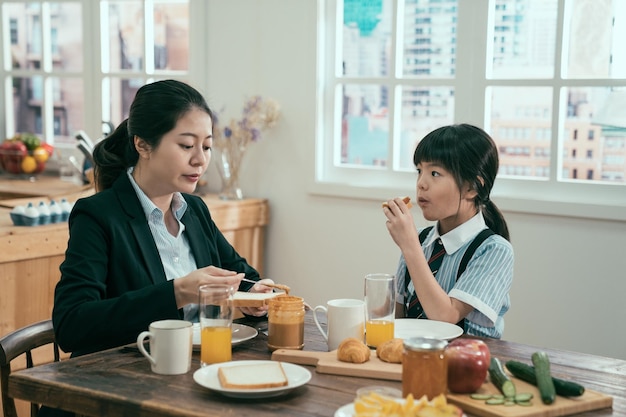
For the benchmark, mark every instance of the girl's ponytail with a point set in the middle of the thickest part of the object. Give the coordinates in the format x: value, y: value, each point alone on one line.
x: 495, y: 220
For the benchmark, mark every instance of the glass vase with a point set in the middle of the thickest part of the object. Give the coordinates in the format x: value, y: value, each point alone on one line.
x: 229, y: 164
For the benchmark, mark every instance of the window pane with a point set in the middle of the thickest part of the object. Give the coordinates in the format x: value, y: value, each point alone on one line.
x: 524, y: 38
x: 423, y: 110
x: 171, y: 36
x: 365, y: 125
x: 25, y: 35
x: 594, y: 138
x: 66, y: 36
x: 125, y: 36
x: 366, y: 37
x: 69, y: 109
x: 521, y: 129
x: 27, y: 102
x: 598, y: 26
x: 117, y: 95
x: 429, y: 38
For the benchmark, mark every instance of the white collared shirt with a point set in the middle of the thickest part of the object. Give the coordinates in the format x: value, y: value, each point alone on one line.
x: 175, y: 252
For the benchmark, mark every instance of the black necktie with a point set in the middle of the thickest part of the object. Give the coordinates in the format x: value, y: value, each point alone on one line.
x: 414, y: 308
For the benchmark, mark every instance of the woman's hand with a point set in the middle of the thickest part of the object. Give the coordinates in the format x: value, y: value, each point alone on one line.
x: 258, y: 287
x: 400, y: 224
x: 186, y: 288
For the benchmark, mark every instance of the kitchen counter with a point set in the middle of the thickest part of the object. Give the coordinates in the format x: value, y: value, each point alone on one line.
x: 30, y: 255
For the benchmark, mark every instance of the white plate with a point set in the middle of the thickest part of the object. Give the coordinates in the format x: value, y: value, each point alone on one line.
x: 241, y: 333
x: 207, y: 377
x: 345, y: 411
x: 407, y: 328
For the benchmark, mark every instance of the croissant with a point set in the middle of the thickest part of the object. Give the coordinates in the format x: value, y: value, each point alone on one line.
x: 391, y: 351
x: 353, y: 350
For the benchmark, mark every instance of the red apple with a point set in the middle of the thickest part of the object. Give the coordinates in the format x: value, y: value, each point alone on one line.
x: 468, y: 363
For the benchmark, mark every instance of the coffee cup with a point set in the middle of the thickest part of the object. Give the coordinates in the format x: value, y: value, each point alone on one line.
x: 170, y: 346
x: 346, y: 318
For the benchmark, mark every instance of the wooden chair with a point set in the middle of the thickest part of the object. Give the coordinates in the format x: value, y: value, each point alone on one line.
x: 16, y: 343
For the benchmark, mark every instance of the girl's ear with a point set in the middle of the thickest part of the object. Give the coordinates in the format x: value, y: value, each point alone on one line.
x: 470, y: 192
x: 142, y: 147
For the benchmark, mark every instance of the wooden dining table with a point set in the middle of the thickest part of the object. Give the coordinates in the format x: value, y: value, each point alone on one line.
x: 119, y: 382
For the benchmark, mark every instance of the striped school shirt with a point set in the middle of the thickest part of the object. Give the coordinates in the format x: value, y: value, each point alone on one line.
x: 485, y: 283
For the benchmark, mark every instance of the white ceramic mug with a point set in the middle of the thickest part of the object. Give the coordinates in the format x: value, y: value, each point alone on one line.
x: 346, y: 318
x: 170, y: 346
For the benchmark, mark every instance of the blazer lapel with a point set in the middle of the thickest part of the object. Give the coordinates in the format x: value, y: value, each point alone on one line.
x: 148, y: 252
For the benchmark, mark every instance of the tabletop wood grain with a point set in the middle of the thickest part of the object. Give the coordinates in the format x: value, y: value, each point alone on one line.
x: 118, y: 382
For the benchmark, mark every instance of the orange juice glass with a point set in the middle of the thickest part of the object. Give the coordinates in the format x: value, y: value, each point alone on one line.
x: 380, y: 308
x: 378, y: 332
x: 216, y: 345
x: 215, y: 306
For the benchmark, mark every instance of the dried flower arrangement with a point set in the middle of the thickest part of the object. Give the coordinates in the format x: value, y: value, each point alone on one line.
x: 232, y: 140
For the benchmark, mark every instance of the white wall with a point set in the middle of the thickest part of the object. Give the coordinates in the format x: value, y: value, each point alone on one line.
x: 569, y: 282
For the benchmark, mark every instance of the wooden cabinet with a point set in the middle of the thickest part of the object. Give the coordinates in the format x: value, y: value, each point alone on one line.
x: 30, y: 256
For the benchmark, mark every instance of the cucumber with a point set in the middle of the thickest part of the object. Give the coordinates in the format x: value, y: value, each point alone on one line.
x: 500, y: 379
x: 483, y: 397
x: 523, y: 397
x: 544, y: 379
x: 495, y: 401
x: 527, y: 373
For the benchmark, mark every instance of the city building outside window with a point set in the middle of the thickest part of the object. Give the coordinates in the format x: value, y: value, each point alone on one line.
x: 536, y: 74
x: 50, y: 57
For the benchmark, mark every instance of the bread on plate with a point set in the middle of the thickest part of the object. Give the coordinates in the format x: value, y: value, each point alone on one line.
x: 252, y: 376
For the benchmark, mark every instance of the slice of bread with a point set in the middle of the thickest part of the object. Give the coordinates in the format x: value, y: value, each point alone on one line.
x: 252, y: 376
x: 407, y: 201
x: 252, y: 299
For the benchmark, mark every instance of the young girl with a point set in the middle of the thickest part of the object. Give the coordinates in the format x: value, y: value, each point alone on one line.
x: 457, y: 166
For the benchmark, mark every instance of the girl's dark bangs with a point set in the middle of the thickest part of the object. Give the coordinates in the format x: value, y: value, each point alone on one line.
x: 433, y: 148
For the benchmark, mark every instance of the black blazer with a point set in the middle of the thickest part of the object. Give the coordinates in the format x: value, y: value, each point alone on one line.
x: 113, y: 283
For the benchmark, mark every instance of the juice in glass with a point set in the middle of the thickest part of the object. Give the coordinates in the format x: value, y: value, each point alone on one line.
x: 215, y: 345
x: 378, y: 332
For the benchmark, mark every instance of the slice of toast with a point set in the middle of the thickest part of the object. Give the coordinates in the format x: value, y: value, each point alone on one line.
x: 252, y: 299
x: 253, y: 376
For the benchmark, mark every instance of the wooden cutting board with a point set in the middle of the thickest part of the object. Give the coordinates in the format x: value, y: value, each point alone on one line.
x: 327, y: 363
x: 563, y: 406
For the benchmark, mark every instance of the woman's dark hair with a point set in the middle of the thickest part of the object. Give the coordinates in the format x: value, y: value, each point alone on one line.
x: 471, y: 155
x: 154, y: 112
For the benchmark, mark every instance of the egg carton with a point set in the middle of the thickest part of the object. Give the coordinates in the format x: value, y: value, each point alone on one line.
x: 42, y: 214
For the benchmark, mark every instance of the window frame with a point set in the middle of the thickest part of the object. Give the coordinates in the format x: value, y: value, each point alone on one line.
x: 92, y: 75
x: 533, y: 196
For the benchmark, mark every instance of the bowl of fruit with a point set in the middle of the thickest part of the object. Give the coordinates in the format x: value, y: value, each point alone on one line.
x: 24, y: 154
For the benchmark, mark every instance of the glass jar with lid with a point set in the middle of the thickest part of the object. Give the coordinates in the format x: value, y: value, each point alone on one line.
x: 424, y: 367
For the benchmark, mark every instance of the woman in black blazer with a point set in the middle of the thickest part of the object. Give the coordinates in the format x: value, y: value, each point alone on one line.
x: 143, y: 244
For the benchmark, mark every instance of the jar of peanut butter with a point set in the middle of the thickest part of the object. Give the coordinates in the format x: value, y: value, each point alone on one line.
x: 424, y: 367
x: 285, y: 318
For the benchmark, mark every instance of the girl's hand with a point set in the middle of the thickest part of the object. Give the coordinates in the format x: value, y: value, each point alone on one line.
x: 186, y: 288
x: 400, y: 224
x: 258, y: 287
